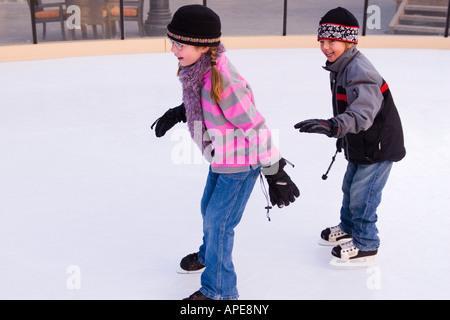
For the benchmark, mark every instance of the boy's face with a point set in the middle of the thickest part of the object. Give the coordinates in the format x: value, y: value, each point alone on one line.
x: 186, y: 54
x: 333, y: 49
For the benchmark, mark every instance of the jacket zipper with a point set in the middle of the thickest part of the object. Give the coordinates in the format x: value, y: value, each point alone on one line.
x: 336, y: 112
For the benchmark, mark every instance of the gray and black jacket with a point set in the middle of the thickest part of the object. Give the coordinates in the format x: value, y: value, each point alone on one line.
x: 369, y: 124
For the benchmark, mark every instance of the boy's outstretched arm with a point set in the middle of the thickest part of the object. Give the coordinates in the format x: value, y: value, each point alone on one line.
x: 328, y: 127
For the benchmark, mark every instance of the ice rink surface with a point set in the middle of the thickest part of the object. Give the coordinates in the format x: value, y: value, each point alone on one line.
x: 94, y: 206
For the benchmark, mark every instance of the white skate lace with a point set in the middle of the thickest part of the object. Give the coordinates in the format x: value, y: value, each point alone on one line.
x: 348, y: 245
x: 348, y: 250
x: 335, y: 232
x: 335, y: 229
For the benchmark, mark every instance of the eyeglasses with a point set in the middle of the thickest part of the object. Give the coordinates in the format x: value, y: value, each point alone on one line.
x: 177, y: 44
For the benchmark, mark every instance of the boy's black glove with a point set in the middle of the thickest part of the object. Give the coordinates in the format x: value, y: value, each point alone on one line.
x: 329, y: 127
x: 169, y: 119
x: 282, y: 190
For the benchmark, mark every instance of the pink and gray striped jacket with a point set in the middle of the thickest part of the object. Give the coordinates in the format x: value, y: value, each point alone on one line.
x: 236, y: 129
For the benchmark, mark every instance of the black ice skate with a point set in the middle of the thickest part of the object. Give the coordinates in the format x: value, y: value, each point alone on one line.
x: 348, y: 255
x: 333, y: 236
x: 197, y: 295
x: 191, y: 264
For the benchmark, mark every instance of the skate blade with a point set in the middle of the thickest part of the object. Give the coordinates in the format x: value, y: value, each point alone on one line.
x: 182, y: 271
x: 354, y: 263
x: 326, y: 243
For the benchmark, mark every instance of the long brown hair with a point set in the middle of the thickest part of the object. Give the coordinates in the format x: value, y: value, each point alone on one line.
x: 216, y: 77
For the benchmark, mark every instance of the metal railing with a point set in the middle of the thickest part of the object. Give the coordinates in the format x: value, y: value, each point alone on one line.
x: 364, y: 28
x: 447, y: 23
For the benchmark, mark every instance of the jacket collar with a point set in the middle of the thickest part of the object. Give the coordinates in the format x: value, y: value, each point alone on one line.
x: 343, y: 60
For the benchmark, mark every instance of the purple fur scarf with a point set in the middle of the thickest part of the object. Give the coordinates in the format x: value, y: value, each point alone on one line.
x: 191, y: 78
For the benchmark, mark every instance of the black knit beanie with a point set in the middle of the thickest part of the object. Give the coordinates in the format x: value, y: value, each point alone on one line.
x: 195, y: 25
x: 339, y: 24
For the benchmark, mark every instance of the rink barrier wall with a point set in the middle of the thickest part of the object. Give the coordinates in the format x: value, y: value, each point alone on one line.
x: 54, y: 50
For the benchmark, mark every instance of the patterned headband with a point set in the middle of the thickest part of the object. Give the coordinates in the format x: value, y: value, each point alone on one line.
x: 338, y: 32
x: 193, y: 41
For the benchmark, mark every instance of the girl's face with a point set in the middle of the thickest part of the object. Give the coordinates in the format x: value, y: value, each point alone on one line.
x: 333, y: 49
x: 186, y: 54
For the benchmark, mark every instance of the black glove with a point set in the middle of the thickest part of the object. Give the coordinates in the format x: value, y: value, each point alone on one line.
x: 282, y: 190
x: 169, y: 119
x: 329, y: 127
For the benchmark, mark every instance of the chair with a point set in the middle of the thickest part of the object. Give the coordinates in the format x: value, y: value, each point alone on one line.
x: 133, y: 10
x: 48, y: 12
x: 93, y: 13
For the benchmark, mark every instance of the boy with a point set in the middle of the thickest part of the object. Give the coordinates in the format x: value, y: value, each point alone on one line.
x: 368, y: 128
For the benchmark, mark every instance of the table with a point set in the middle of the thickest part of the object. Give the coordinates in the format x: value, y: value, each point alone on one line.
x: 93, y: 13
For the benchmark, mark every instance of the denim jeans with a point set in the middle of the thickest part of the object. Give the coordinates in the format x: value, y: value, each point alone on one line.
x: 362, y: 187
x: 222, y: 206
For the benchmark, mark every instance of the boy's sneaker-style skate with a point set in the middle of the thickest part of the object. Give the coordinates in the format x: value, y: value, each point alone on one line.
x: 191, y: 264
x: 348, y: 255
x: 333, y: 236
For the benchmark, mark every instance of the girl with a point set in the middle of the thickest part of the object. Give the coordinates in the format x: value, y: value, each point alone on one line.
x: 218, y: 106
x: 368, y: 127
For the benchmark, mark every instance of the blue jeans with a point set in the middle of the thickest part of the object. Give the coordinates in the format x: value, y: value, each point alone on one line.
x: 362, y: 187
x: 222, y: 206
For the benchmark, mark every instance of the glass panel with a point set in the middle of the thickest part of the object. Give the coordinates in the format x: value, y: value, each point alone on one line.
x: 423, y: 17
x: 152, y: 21
x: 250, y: 17
x: 304, y: 16
x: 98, y: 19
x: 87, y: 19
x: 15, y: 22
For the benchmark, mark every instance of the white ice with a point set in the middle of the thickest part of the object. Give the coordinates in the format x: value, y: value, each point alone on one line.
x: 94, y: 206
